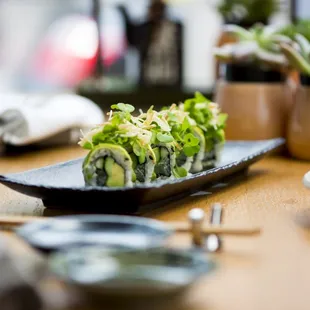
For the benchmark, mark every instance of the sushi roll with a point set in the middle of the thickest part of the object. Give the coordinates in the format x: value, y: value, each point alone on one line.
x: 184, y: 162
x: 172, y: 143
x: 212, y: 154
x: 108, y: 165
x: 165, y: 160
x: 211, y: 122
x: 144, y: 166
x: 197, y: 165
x: 185, y: 138
x: 164, y: 144
x: 118, y: 138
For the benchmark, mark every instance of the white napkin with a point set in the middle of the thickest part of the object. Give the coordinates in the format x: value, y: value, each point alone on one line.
x: 29, y: 119
x: 306, y: 180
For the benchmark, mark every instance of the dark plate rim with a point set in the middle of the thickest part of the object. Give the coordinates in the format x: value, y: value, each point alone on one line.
x: 273, y: 144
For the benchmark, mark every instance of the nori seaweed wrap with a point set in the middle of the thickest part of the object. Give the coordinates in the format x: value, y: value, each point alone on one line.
x: 165, y: 160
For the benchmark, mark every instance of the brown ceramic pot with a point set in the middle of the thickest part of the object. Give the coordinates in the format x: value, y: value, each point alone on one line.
x: 257, y: 108
x: 298, y: 129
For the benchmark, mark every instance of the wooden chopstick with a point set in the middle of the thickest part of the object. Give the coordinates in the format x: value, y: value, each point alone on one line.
x: 10, y: 222
x: 181, y: 227
x: 15, y: 221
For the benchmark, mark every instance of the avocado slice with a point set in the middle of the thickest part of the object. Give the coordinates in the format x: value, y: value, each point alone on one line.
x: 134, y: 177
x: 134, y: 165
x: 134, y: 160
x: 142, y: 159
x: 164, y: 152
x: 116, y: 173
x: 109, y: 165
x: 157, y: 154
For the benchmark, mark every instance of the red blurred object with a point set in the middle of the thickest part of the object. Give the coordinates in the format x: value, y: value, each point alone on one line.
x: 68, y: 53
x: 62, y: 68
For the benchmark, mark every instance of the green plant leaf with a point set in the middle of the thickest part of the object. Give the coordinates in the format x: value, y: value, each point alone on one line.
x: 108, y: 128
x: 300, y: 27
x: 137, y: 149
x: 190, y: 140
x: 222, y: 118
x: 116, y: 120
x: 186, y: 124
x: 237, y: 31
x: 296, y: 59
x: 304, y: 45
x: 275, y: 60
x: 142, y: 156
x: 164, y: 138
x: 220, y: 135
x: 87, y: 145
x: 200, y: 97
x: 190, y: 151
x: 123, y: 107
x: 179, y: 172
x: 172, y: 117
x: 249, y: 11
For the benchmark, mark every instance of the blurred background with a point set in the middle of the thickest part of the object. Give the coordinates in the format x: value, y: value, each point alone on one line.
x: 52, y: 45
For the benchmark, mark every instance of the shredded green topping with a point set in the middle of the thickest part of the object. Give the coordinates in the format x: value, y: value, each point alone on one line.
x: 208, y: 117
x: 121, y: 131
x: 182, y: 130
x: 173, y: 125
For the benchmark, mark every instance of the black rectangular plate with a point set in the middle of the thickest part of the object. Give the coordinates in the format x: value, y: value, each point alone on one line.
x: 62, y: 185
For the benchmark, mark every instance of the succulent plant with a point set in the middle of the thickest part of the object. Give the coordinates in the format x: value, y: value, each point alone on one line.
x: 247, y: 11
x: 301, y: 26
x: 260, y: 44
x: 298, y: 54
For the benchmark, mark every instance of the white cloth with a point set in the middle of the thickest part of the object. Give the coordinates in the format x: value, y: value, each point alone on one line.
x: 28, y: 119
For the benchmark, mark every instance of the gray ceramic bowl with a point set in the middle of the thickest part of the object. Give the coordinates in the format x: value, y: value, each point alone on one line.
x: 118, y: 231
x: 130, y: 273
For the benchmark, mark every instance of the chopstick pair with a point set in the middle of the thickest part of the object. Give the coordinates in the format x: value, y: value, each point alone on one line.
x: 12, y: 222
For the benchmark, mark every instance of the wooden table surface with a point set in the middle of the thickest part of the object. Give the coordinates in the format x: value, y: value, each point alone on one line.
x: 270, y: 271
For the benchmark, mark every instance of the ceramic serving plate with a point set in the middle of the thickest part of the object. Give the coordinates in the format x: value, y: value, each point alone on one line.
x: 62, y: 185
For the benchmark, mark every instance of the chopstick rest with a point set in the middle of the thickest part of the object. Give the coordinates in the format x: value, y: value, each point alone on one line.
x: 208, y: 236
x: 214, y: 242
x: 196, y: 217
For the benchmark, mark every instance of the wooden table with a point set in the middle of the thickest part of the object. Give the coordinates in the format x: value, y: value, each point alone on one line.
x: 271, y: 271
